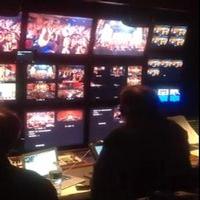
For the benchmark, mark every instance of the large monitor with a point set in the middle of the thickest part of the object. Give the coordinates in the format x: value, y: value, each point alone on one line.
x: 164, y: 70
x: 115, y: 38
x: 58, y: 34
x: 7, y: 82
x: 107, y: 81
x: 50, y: 82
x: 102, y: 121
x: 60, y: 128
x: 10, y: 31
x: 170, y: 36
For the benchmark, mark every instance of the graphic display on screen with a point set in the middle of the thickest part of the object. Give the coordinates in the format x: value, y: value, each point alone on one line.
x: 53, y: 129
x: 58, y: 34
x: 103, y: 121
x: 107, y: 81
x: 71, y: 82
x: 10, y: 31
x: 172, y: 95
x: 160, y: 70
x: 7, y: 82
x: 164, y: 35
x: 45, y: 82
x: 115, y: 38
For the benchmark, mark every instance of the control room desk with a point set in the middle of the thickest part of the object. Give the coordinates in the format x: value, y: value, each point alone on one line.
x: 72, y: 193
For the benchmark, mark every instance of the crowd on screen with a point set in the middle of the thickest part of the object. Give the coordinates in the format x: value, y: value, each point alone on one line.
x: 9, y: 34
x: 57, y: 35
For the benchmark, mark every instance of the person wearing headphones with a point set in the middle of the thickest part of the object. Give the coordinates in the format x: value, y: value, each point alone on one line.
x: 16, y: 183
x: 147, y: 154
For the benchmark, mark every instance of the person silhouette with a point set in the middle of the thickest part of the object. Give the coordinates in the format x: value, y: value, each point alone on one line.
x: 146, y: 154
x: 16, y: 183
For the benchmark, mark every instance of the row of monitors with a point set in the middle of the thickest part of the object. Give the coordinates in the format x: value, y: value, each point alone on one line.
x: 65, y: 128
x: 66, y: 82
x: 54, y: 34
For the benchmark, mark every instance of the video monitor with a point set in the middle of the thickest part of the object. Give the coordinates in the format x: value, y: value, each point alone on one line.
x: 71, y: 82
x: 102, y: 121
x: 10, y: 31
x: 107, y: 81
x: 166, y: 95
x: 165, y: 35
x: 41, y: 72
x: 164, y: 70
x: 58, y: 34
x: 7, y: 82
x: 60, y: 128
x: 115, y: 38
x: 40, y: 91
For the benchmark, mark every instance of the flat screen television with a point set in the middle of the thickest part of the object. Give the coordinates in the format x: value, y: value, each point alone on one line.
x: 115, y: 38
x: 167, y: 35
x: 50, y: 82
x: 10, y: 31
x: 57, y: 34
x: 164, y: 70
x: 102, y: 121
x: 53, y: 128
x: 107, y: 81
x: 7, y: 82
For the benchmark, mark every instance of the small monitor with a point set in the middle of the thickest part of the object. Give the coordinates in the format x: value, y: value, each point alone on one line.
x: 164, y: 70
x: 41, y: 162
x: 25, y: 56
x: 115, y: 38
x: 10, y: 31
x: 169, y: 95
x: 60, y: 128
x: 55, y: 34
x: 102, y: 121
x: 7, y: 82
x: 107, y: 81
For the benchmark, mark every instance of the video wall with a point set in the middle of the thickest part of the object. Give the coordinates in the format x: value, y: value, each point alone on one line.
x: 67, y: 81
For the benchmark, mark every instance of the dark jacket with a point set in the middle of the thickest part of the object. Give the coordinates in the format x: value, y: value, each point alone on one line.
x: 21, y: 184
x: 137, y: 161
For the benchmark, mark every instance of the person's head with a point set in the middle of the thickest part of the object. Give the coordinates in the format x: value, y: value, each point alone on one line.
x: 10, y: 127
x: 138, y: 102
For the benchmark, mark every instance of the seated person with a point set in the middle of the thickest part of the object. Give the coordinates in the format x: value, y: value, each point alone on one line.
x: 147, y: 154
x: 16, y: 183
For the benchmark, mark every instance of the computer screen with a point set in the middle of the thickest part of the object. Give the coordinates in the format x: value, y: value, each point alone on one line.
x: 60, y: 128
x: 58, y: 34
x: 169, y: 95
x: 107, y: 81
x: 10, y: 31
x: 41, y: 162
x: 115, y: 38
x: 47, y: 82
x: 164, y: 70
x: 102, y: 121
x: 7, y: 82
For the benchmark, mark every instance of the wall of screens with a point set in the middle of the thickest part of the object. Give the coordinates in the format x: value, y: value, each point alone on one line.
x: 65, y: 84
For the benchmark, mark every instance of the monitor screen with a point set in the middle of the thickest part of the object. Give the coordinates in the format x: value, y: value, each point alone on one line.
x: 165, y: 35
x: 169, y: 95
x: 10, y: 30
x: 102, y: 121
x: 59, y: 128
x: 164, y: 70
x: 58, y: 34
x: 45, y: 82
x: 115, y: 38
x: 107, y: 81
x: 41, y: 162
x: 7, y: 82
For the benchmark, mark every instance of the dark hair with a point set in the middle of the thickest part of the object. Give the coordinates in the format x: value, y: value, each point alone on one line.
x: 138, y: 101
x: 10, y: 127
